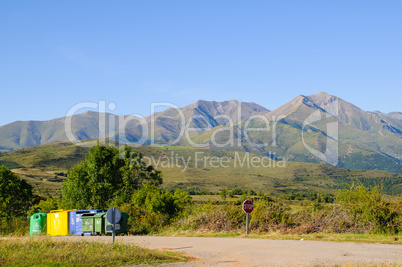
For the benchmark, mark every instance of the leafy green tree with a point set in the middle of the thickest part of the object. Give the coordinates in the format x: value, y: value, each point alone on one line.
x: 45, y: 206
x: 105, y: 175
x: 15, y: 194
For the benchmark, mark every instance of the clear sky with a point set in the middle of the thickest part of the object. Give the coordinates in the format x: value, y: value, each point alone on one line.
x: 55, y: 54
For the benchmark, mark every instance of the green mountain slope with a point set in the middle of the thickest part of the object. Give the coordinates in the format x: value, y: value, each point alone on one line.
x: 365, y: 140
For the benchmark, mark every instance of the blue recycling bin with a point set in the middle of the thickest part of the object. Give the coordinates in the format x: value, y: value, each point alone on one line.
x: 76, y: 222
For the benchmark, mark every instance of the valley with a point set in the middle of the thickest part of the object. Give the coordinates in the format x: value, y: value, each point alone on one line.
x: 46, y: 167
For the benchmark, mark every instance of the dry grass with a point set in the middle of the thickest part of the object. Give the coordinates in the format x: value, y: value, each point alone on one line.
x: 42, y: 251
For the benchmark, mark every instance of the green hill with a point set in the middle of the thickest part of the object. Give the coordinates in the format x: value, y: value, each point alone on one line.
x: 46, y: 167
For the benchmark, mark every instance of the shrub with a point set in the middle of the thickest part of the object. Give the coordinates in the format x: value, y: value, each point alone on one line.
x: 17, y: 225
x: 371, y: 209
x: 151, y: 208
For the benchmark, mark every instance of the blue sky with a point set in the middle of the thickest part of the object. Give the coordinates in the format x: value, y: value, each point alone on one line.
x: 55, y: 54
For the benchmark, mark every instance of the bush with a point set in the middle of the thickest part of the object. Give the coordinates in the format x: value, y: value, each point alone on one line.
x: 18, y: 225
x: 359, y: 210
x: 371, y: 209
x: 151, y: 208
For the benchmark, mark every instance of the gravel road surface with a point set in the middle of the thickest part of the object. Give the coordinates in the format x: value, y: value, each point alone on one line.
x: 263, y: 252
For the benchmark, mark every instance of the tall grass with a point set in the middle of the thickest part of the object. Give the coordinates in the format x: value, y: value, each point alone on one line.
x: 18, y: 226
x: 44, y: 251
x: 358, y: 210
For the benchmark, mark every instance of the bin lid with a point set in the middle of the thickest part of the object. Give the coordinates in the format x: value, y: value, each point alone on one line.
x: 57, y: 211
x: 97, y: 211
x: 80, y: 211
x: 88, y: 215
x: 99, y: 214
x: 38, y: 215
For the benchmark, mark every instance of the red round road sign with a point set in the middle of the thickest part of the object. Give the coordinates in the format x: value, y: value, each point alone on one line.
x: 248, y: 206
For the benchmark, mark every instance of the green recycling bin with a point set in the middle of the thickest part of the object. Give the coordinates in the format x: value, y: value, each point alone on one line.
x: 38, y: 224
x: 121, y: 225
x: 88, y: 223
x: 99, y: 223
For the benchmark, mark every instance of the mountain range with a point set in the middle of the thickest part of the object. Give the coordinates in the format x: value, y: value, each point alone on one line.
x: 320, y: 123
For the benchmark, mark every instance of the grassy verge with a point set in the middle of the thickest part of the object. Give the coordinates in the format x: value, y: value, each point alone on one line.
x: 359, y: 238
x: 43, y: 251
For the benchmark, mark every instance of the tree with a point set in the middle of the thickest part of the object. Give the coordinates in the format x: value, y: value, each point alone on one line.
x: 15, y: 194
x: 105, y: 175
x: 44, y: 206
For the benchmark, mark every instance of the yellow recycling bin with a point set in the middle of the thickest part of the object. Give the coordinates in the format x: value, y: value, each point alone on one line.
x: 58, y: 222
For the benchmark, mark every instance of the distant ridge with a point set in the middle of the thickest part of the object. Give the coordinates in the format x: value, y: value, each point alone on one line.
x: 367, y: 140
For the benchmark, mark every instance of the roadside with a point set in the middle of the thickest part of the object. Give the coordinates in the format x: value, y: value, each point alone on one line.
x: 341, y: 237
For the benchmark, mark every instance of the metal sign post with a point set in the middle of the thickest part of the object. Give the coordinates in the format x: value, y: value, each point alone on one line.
x: 247, y: 224
x: 113, y: 216
x: 114, y: 223
x: 248, y: 207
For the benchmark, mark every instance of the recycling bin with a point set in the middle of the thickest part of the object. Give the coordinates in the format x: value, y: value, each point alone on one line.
x: 99, y: 220
x: 58, y: 222
x: 122, y: 225
x: 38, y: 224
x: 88, y: 223
x: 76, y: 222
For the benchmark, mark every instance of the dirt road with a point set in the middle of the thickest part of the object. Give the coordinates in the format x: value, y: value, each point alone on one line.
x: 264, y: 252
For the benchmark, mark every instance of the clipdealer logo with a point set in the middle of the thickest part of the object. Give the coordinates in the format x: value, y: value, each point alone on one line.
x: 114, y: 127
